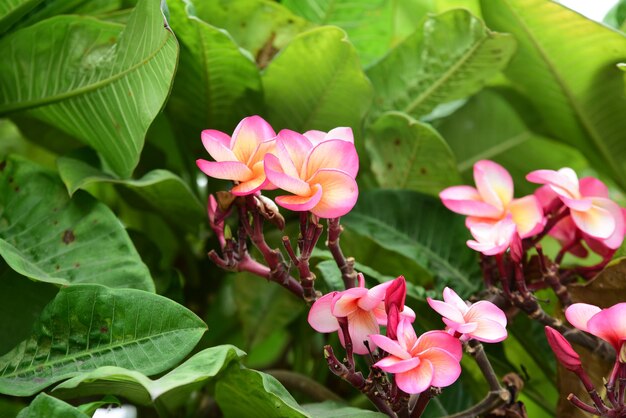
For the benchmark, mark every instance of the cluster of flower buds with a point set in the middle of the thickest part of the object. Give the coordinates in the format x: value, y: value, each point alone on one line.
x: 318, y: 169
x: 610, y: 326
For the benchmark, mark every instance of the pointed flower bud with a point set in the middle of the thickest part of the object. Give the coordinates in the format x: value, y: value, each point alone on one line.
x: 563, y: 350
x: 517, y: 249
x: 394, y: 304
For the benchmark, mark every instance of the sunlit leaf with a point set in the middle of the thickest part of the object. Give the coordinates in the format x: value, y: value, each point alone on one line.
x: 47, y: 406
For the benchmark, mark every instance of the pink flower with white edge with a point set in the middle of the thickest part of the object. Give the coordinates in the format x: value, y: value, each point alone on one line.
x: 363, y: 308
x: 482, y: 321
x: 590, y: 208
x: 608, y: 324
x: 433, y: 359
x: 321, y: 177
x: 239, y: 158
x: 492, y: 239
x: 492, y: 200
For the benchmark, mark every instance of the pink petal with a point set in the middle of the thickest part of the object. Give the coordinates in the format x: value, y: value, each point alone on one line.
x: 610, y: 325
x: 527, y: 215
x: 320, y: 317
x: 256, y: 183
x: 577, y: 204
x: 277, y: 176
x: 392, y: 364
x: 563, y: 182
x: 579, y: 314
x: 226, y: 170
x: 334, y: 153
x: 361, y: 325
x: 390, y: 346
x: 494, y: 183
x: 599, y: 221
x: 617, y: 237
x: 460, y: 328
x: 267, y: 147
x: 439, y: 339
x: 465, y: 200
x: 342, y: 132
x: 546, y: 197
x: 217, y: 145
x: 406, y: 334
x: 590, y: 186
x: 486, y: 310
x: 488, y: 331
x: 492, y: 239
x: 346, y: 302
x: 417, y: 380
x: 315, y: 137
x: 408, y: 314
x: 446, y: 310
x: 339, y: 193
x: 300, y: 203
x: 451, y: 298
x: 446, y: 368
x: 374, y: 296
x: 250, y: 132
x: 380, y: 314
x: 292, y: 149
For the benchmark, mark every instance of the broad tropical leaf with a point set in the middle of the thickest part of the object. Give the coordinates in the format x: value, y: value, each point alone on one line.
x: 13, y: 10
x: 573, y: 82
x: 49, y: 237
x: 89, y: 326
x: 316, y: 83
x: 47, y: 406
x: 331, y: 409
x: 100, y: 82
x: 449, y: 57
x: 408, y: 154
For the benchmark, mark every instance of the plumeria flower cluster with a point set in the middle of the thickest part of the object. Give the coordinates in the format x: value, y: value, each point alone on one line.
x: 316, y: 169
x: 610, y: 326
x: 417, y: 363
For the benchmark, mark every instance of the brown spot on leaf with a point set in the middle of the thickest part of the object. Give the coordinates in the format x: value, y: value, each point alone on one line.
x: 77, y: 265
x: 104, y: 329
x: 397, y: 142
x: 423, y: 170
x: 58, y: 267
x: 10, y: 179
x: 68, y: 236
x: 17, y: 189
x: 267, y: 52
x: 3, y: 165
x: 389, y: 166
x: 55, y: 222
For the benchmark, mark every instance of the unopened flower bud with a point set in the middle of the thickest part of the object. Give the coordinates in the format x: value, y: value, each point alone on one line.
x: 517, y: 249
x: 563, y: 350
x: 396, y: 293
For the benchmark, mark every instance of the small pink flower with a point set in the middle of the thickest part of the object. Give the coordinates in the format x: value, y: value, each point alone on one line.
x: 590, y: 208
x: 492, y: 238
x: 563, y: 350
x: 608, y: 324
x: 239, y: 158
x: 363, y: 308
x: 433, y: 359
x: 492, y: 200
x: 320, y: 176
x: 482, y: 320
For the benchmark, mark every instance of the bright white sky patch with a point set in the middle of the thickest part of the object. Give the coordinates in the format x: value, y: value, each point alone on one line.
x: 593, y: 9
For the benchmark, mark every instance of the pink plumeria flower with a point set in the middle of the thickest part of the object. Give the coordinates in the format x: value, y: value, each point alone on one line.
x: 608, y: 324
x: 343, y: 133
x: 590, y: 208
x: 492, y: 238
x: 433, y: 359
x: 321, y: 177
x: 482, y: 321
x: 363, y: 308
x: 239, y: 158
x: 492, y: 200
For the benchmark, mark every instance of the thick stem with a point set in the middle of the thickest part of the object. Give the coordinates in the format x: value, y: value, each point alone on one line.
x: 550, y: 273
x: 591, y: 390
x: 422, y: 401
x: 346, y: 265
x: 582, y: 405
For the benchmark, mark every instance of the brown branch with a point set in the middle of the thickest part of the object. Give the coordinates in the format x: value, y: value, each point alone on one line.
x: 346, y: 265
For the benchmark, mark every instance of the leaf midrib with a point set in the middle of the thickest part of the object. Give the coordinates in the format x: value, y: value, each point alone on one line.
x: 23, y: 105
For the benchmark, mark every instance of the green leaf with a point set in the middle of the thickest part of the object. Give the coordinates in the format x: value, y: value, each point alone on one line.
x: 616, y: 17
x: 90, y: 326
x: 100, y: 82
x: 242, y: 392
x: 217, y: 83
x: 159, y: 190
x: 573, y: 83
x: 47, y: 406
x: 490, y: 127
x: 411, y: 224
x: 450, y: 57
x: 408, y: 154
x: 49, y: 237
x: 316, y: 83
x: 12, y: 10
x: 331, y: 409
x: 91, y: 407
x: 171, y: 391
x: 261, y: 26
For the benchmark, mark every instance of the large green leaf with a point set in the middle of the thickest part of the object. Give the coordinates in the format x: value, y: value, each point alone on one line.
x: 316, y: 83
x: 566, y: 66
x: 450, y: 57
x: 158, y: 190
x: 373, y: 26
x: 171, y: 390
x: 12, y: 10
x: 47, y: 406
x: 413, y: 225
x: 490, y: 127
x: 242, y: 392
x: 100, y: 82
x: 408, y: 154
x: 217, y: 83
x: 331, y: 409
x: 49, y: 237
x: 90, y: 326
